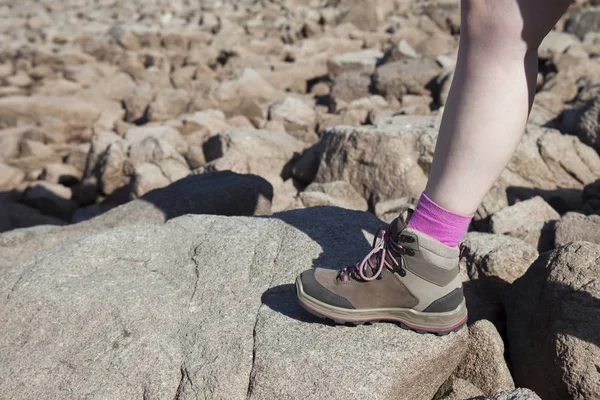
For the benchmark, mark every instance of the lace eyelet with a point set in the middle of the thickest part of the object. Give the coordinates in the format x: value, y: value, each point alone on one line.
x: 406, y: 239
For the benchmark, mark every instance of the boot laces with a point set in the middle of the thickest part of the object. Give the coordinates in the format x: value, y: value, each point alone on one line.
x: 385, y: 247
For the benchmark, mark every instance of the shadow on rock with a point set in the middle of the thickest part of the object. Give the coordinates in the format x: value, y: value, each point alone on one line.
x: 282, y: 299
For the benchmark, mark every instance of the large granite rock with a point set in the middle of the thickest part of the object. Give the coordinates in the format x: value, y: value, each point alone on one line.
x: 203, y: 306
x: 553, y: 322
x: 221, y: 193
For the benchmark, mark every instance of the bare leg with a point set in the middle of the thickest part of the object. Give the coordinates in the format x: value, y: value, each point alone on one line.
x: 490, y: 98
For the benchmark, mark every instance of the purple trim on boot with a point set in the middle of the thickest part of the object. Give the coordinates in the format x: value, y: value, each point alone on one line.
x: 443, y: 225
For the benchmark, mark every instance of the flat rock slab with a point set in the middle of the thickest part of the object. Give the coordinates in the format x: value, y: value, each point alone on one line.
x: 203, y: 307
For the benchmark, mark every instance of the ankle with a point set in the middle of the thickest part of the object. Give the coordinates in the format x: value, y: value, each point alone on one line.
x: 443, y: 225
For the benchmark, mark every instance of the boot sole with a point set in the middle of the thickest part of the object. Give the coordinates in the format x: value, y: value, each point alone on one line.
x: 421, y: 322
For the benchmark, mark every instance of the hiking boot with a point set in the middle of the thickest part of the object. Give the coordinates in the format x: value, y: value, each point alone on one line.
x: 408, y: 277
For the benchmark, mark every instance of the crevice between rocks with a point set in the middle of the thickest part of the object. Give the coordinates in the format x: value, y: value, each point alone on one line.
x: 251, y: 375
x: 185, y: 378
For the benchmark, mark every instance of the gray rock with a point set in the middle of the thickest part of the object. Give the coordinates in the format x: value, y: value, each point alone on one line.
x: 515, y: 394
x: 587, y: 127
x: 492, y: 263
x: 583, y: 22
x: 574, y: 227
x: 484, y: 364
x: 368, y: 157
x: 220, y: 193
x: 350, y: 86
x: 227, y: 328
x: 340, y: 194
x: 410, y: 76
x: 553, y: 321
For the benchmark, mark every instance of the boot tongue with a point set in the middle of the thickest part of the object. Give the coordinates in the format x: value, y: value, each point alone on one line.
x: 397, y: 226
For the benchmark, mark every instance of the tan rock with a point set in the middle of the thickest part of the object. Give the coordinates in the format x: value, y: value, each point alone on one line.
x: 362, y: 62
x: 65, y: 174
x: 167, y: 104
x: 299, y: 120
x: 10, y: 177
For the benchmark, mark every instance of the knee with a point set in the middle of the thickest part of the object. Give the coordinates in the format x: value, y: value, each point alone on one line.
x: 517, y: 24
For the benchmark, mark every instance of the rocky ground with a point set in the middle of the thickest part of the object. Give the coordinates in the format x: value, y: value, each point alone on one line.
x: 119, y: 118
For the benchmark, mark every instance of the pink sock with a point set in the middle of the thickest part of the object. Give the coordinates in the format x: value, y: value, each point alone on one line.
x: 439, y: 223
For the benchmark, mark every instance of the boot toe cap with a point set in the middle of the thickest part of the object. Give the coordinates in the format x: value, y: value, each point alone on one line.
x: 313, y: 288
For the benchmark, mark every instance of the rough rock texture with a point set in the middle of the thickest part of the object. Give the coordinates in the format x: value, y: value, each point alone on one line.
x: 457, y: 389
x: 553, y: 321
x: 522, y: 214
x: 530, y: 220
x: 491, y: 263
x: 516, y: 394
x: 246, y: 150
x: 299, y: 120
x: 200, y: 339
x: 339, y: 194
x: 381, y: 163
x: 484, y: 365
x: 574, y: 227
x: 587, y: 127
x: 220, y: 193
x: 546, y: 163
x: 410, y: 76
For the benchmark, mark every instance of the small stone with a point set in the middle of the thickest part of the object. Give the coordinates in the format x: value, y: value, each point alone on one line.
x: 30, y: 148
x: 65, y: 174
x: 167, y: 104
x: 363, y: 62
x: 298, y: 119
x: 10, y: 177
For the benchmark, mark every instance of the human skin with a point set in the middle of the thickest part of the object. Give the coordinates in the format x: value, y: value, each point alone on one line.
x: 490, y: 97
